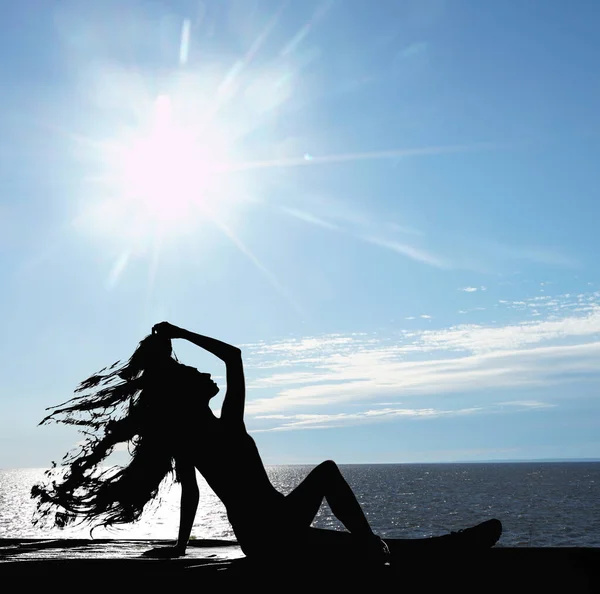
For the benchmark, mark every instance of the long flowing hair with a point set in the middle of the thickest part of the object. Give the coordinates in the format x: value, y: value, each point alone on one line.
x: 119, y: 404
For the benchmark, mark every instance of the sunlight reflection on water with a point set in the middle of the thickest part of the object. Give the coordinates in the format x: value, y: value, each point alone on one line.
x: 538, y: 504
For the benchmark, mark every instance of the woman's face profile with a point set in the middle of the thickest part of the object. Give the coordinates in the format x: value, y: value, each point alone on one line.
x: 200, y: 382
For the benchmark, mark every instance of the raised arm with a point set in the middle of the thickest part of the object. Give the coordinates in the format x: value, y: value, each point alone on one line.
x: 233, y: 404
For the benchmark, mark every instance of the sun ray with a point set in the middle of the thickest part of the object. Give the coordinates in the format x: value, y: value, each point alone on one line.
x: 310, y: 218
x: 363, y: 156
x: 262, y: 268
x: 118, y: 268
x: 184, y: 45
x: 166, y: 160
x: 227, y: 89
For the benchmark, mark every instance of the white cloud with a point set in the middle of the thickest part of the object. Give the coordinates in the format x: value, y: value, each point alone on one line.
x: 469, y: 289
x: 338, y: 371
x: 326, y: 421
x: 356, y: 382
x: 527, y: 404
x: 479, y: 338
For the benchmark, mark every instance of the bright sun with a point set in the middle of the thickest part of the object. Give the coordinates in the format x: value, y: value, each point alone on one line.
x: 170, y: 173
x: 165, y: 177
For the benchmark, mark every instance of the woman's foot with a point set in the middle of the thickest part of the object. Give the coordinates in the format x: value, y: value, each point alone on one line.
x: 378, y: 552
x: 481, y: 536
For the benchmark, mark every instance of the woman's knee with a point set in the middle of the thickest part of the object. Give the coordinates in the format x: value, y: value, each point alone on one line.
x: 328, y: 468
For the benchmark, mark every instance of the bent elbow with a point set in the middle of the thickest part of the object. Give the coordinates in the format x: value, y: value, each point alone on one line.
x: 235, y: 354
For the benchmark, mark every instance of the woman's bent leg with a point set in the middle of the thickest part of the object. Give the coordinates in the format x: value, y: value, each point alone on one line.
x: 326, y: 481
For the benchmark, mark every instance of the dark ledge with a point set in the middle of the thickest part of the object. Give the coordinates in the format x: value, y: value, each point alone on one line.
x: 115, y: 563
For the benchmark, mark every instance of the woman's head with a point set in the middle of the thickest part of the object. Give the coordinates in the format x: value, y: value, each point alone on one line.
x: 197, y: 382
x: 153, y: 352
x: 154, y: 360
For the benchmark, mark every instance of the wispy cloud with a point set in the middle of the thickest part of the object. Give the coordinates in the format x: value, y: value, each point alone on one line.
x: 342, y: 371
x: 357, y: 381
x: 326, y: 421
x: 526, y: 404
x: 479, y: 339
x: 535, y: 254
x: 472, y: 289
x: 555, y: 306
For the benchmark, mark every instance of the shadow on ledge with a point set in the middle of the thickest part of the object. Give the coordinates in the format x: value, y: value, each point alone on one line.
x: 222, y: 564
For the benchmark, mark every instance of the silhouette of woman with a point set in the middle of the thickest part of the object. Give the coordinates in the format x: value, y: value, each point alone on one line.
x: 161, y: 407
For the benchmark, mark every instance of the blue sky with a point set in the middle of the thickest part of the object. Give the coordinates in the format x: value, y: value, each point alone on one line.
x: 392, y: 207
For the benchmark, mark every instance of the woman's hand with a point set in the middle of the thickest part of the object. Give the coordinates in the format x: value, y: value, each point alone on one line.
x: 167, y: 330
x: 165, y: 552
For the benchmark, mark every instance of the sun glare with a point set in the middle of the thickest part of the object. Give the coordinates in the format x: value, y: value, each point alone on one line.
x: 164, y: 178
x: 172, y: 173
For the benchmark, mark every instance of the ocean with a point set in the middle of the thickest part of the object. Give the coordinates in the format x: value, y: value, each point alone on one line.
x: 545, y: 504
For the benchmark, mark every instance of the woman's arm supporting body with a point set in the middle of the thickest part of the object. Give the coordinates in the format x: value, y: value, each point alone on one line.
x: 190, y: 496
x: 233, y: 404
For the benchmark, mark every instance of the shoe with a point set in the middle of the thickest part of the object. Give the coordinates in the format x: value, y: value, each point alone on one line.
x: 481, y: 536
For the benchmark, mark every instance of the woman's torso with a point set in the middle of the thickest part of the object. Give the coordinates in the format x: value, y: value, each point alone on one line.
x: 229, y: 461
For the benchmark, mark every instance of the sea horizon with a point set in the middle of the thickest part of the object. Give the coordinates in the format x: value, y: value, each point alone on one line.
x: 540, y: 503
x: 501, y: 461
